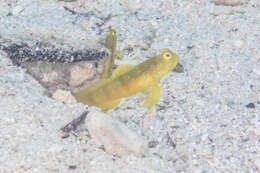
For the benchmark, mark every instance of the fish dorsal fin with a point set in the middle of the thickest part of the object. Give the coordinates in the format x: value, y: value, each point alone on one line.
x: 121, y: 69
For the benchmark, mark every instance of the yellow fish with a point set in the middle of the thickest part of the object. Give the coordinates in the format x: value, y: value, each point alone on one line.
x: 127, y: 80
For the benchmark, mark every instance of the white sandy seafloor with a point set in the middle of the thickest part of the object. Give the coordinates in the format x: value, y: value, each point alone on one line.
x: 203, y: 123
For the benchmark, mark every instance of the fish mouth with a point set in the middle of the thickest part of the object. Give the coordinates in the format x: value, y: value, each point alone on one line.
x: 178, y: 69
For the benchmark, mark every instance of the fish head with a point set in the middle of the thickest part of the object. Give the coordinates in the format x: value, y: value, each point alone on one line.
x: 170, y: 59
x: 166, y: 62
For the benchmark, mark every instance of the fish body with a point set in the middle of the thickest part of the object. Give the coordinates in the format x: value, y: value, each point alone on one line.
x: 127, y: 80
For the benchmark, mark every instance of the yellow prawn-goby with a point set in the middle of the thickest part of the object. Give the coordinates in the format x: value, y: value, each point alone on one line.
x: 127, y: 80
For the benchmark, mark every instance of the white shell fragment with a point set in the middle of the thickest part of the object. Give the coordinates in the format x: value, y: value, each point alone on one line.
x: 114, y: 135
x: 64, y: 96
x: 230, y: 2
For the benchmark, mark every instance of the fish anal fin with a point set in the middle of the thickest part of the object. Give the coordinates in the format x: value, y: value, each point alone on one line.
x: 153, y: 97
x: 110, y: 104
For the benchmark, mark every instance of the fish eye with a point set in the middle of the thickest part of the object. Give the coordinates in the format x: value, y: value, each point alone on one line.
x: 167, y: 55
x: 111, y: 32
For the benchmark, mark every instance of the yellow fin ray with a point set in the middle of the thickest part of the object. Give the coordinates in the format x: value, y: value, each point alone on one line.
x: 153, y: 97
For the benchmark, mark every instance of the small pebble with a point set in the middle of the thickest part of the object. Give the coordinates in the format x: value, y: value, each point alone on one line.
x: 4, y: 8
x: 229, y: 2
x: 72, y: 167
x: 257, y: 163
x: 250, y: 105
x: 153, y: 144
x: 238, y: 43
x: 64, y: 96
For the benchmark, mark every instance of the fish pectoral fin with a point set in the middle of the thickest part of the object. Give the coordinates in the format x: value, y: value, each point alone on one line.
x: 110, y: 104
x: 121, y: 69
x: 153, y: 96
